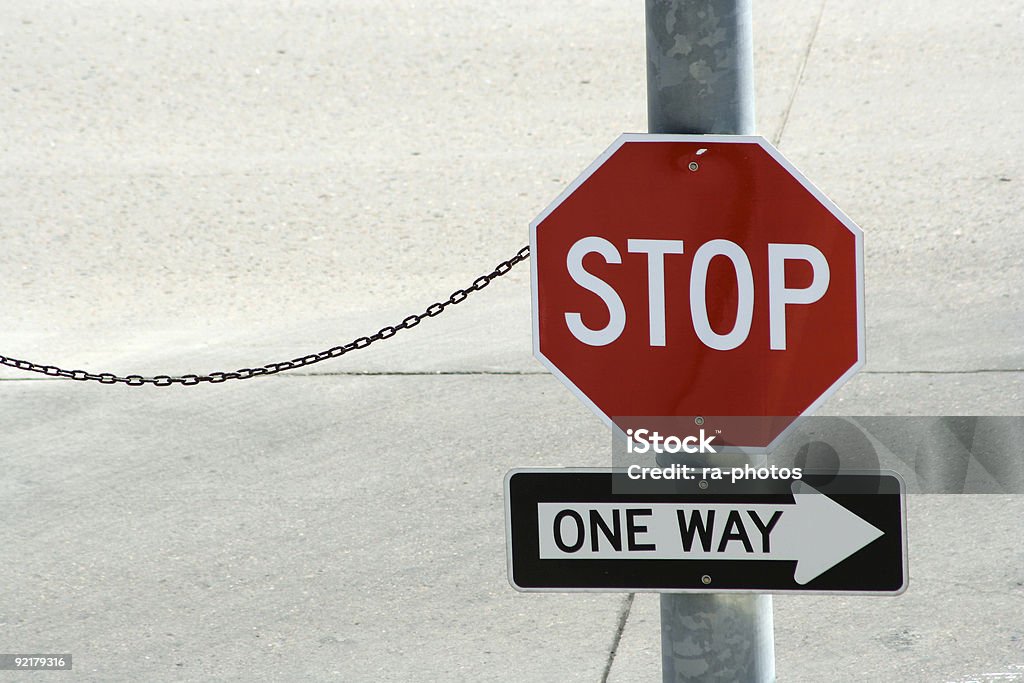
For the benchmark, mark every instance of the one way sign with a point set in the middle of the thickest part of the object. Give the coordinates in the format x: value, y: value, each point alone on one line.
x: 568, y: 530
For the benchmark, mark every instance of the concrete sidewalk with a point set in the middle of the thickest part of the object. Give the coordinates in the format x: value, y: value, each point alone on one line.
x: 201, y: 186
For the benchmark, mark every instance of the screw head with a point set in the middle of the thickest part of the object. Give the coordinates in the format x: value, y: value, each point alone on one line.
x: 706, y: 580
x: 703, y: 484
x: 693, y: 166
x: 698, y: 421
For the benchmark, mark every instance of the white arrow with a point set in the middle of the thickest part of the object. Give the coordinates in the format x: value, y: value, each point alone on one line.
x: 814, y: 530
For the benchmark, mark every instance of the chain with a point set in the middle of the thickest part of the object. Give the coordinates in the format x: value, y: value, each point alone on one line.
x: 433, y: 310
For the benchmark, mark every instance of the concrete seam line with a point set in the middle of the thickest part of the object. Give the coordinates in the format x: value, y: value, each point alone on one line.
x: 799, y: 75
x: 620, y: 626
x: 353, y: 373
x: 531, y: 373
x: 976, y: 371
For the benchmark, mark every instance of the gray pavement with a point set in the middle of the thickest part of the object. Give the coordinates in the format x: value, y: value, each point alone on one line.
x: 197, y: 186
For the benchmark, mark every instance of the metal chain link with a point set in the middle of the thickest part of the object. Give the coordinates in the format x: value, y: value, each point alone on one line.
x: 433, y: 310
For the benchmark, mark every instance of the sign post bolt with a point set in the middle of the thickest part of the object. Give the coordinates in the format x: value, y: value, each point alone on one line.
x: 700, y: 66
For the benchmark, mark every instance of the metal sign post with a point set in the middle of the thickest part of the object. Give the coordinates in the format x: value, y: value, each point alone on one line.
x: 700, y: 79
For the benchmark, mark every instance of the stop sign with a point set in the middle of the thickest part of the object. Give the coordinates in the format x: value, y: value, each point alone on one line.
x: 690, y: 275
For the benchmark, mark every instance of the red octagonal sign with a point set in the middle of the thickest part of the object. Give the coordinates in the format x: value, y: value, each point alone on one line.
x: 690, y: 275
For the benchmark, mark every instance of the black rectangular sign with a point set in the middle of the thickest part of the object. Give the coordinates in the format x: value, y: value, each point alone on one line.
x: 576, y: 530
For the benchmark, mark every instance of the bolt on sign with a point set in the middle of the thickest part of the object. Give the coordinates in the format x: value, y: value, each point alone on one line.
x: 695, y: 275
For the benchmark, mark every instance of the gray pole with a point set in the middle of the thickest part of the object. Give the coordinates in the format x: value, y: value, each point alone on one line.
x: 700, y: 65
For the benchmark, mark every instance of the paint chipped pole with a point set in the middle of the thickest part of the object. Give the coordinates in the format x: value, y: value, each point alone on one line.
x: 700, y: 79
